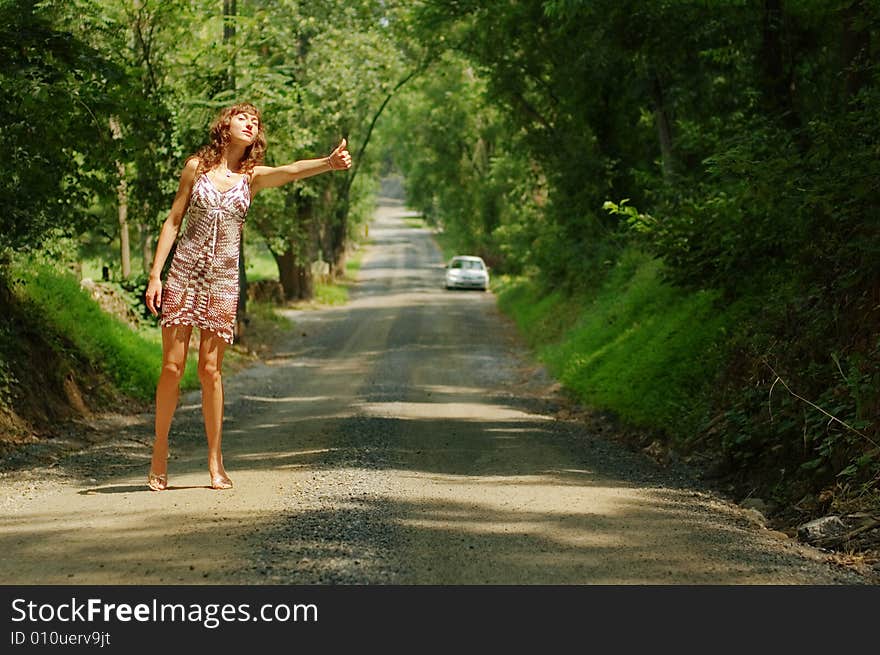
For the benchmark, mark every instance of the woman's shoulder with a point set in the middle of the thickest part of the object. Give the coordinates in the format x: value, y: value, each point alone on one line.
x: 188, y: 175
x: 191, y: 168
x: 192, y: 164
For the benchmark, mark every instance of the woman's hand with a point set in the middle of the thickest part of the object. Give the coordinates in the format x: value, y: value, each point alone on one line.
x: 340, y: 159
x: 154, y: 296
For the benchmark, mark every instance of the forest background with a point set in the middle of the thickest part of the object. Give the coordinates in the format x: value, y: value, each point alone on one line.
x: 678, y: 198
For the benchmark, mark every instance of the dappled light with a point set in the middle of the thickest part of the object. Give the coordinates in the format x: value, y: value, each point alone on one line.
x: 462, y: 411
x: 520, y: 528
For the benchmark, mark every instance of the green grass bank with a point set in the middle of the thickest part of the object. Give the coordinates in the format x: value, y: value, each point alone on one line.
x: 63, y: 353
x: 636, y: 346
x: 72, y: 320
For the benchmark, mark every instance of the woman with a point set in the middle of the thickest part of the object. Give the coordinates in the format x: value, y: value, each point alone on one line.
x: 201, y: 290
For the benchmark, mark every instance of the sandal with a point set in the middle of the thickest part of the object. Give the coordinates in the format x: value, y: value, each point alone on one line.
x: 157, y: 481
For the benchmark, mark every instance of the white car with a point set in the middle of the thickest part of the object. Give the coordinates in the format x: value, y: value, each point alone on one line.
x: 467, y: 272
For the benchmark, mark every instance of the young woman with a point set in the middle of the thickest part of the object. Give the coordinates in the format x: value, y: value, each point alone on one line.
x: 201, y: 290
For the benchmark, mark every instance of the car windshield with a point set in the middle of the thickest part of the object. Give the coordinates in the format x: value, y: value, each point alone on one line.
x: 467, y: 264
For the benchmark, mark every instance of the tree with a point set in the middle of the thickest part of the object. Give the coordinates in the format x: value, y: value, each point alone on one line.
x: 54, y: 91
x: 314, y: 92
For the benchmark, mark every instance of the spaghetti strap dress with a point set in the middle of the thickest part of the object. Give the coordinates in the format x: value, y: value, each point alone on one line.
x: 202, y: 286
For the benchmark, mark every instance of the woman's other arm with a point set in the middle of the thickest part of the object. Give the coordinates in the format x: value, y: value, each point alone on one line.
x: 168, y: 235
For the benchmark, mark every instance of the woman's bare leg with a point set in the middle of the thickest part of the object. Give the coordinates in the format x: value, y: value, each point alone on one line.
x: 211, y: 349
x: 175, y: 344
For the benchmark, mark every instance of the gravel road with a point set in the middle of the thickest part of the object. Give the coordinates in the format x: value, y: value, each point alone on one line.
x: 405, y: 438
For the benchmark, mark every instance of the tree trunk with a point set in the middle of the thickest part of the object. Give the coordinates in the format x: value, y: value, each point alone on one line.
x: 122, y: 205
x: 145, y: 233
x: 229, y: 13
x: 664, y: 127
x: 338, y: 233
x: 295, y: 276
x: 338, y: 239
x: 295, y: 264
x: 777, y: 81
x: 856, y: 48
x: 122, y: 196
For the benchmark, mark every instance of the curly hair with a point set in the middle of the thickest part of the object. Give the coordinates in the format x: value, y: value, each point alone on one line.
x: 209, y: 156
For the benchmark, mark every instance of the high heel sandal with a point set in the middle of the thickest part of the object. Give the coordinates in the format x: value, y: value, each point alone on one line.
x: 157, y: 481
x: 221, y: 482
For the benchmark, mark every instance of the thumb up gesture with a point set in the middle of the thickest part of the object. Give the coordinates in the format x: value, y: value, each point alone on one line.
x: 340, y: 159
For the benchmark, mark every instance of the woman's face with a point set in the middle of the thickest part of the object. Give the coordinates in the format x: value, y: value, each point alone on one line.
x: 243, y: 127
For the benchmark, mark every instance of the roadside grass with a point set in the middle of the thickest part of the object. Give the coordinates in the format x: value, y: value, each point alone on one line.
x: 131, y: 357
x: 639, y: 347
x: 353, y: 264
x: 330, y: 293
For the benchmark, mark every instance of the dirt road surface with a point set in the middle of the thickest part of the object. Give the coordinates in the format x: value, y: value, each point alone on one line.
x: 405, y: 438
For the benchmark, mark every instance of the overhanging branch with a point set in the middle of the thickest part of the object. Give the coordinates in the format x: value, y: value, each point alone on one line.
x: 350, y: 179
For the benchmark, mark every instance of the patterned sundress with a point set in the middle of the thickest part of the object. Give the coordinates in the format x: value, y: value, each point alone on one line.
x: 202, y: 284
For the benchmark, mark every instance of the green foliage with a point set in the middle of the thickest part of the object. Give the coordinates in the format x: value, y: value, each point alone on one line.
x: 634, y: 220
x: 53, y: 88
x: 787, y: 404
x: 119, y: 92
x: 259, y: 261
x: 7, y: 353
x: 460, y: 171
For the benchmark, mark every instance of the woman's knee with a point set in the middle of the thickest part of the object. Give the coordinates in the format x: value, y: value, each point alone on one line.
x: 210, y: 373
x: 173, y: 369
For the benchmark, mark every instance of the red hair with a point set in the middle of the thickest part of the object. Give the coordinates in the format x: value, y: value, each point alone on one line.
x: 209, y: 156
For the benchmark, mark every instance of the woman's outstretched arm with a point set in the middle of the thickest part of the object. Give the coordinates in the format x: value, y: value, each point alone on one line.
x: 266, y: 177
x: 168, y: 235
